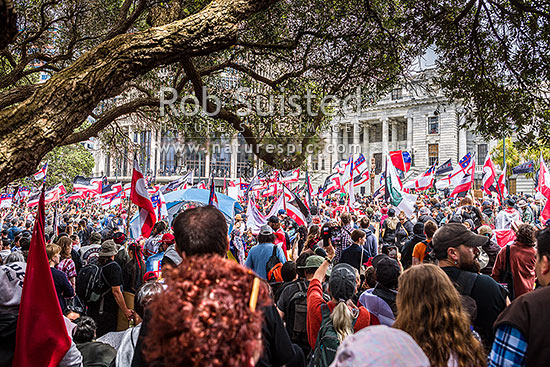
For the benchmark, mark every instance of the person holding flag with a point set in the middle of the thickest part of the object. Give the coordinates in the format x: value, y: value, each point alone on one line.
x: 139, y: 196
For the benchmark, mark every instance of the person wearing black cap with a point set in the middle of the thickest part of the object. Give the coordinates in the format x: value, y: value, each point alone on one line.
x: 506, y: 217
x: 407, y: 250
x: 281, y: 237
x: 457, y: 250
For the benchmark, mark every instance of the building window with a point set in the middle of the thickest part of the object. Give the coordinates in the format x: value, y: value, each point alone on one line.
x: 481, y: 154
x: 396, y: 94
x: 433, y: 154
x: 375, y: 133
x: 377, y: 163
x: 433, y: 125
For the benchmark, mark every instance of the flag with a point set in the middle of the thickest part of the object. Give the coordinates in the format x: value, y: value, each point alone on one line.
x: 351, y: 192
x: 74, y: 195
x: 308, y: 189
x: 347, y: 177
x: 489, y: 176
x: 332, y: 183
x: 111, y: 190
x: 393, y: 191
x: 503, y: 237
x: 502, y: 183
x: 88, y: 185
x: 272, y: 189
x: 543, y: 179
x: 22, y: 193
x: 422, y: 182
x: 361, y: 178
x: 41, y: 174
x: 41, y: 338
x: 176, y: 184
x: 401, y: 160
x: 290, y: 176
x: 139, y: 196
x: 462, y: 176
x: 360, y: 164
x: 526, y: 167
x: 340, y: 166
x: 6, y: 200
x: 159, y: 204
x: 294, y: 207
x: 212, y: 198
x: 254, y: 218
x: 444, y: 168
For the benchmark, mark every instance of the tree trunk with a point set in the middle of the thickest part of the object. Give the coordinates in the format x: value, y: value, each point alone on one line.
x: 42, y: 121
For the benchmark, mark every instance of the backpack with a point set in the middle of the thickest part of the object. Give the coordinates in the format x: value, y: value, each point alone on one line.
x: 506, y: 278
x: 429, y: 254
x: 296, y: 316
x: 466, y: 281
x: 89, y: 283
x: 327, y: 340
x: 273, y: 267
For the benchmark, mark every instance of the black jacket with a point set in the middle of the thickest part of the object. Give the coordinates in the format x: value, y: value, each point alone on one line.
x: 408, y: 248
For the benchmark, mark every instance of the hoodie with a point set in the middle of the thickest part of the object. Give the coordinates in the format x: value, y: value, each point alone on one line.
x: 506, y: 217
x: 408, y: 248
x: 371, y: 245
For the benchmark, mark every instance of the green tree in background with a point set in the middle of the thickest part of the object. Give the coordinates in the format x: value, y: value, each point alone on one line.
x: 512, y: 155
x: 66, y: 162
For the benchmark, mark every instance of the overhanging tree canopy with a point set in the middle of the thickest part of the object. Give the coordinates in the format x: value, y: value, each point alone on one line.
x: 95, y: 51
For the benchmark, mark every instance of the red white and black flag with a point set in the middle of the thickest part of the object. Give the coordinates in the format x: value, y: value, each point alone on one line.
x: 88, y: 184
x: 139, y: 196
x: 294, y: 207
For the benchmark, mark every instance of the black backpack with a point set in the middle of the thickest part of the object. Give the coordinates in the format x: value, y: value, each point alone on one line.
x: 90, y: 283
x: 465, y: 282
x: 273, y: 267
x: 327, y: 340
x: 506, y: 278
x: 296, y: 316
x: 429, y: 254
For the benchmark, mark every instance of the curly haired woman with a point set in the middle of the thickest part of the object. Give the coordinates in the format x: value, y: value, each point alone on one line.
x: 204, y: 319
x: 430, y: 310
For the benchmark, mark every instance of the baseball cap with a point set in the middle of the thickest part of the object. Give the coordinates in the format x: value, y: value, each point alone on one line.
x: 314, y: 262
x: 454, y: 235
x: 342, y: 281
x: 168, y: 238
x: 483, y: 230
x: 281, y: 211
x: 108, y: 248
x: 510, y: 202
x: 150, y: 275
x: 266, y: 230
x: 273, y: 219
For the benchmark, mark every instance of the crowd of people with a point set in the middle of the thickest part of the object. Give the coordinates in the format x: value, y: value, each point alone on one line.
x: 367, y: 287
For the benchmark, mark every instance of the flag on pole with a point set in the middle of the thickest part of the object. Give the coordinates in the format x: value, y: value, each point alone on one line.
x: 423, y: 182
x: 6, y: 200
x: 90, y: 185
x: 350, y: 190
x: 294, y: 207
x: 290, y: 176
x: 308, y: 189
x: 212, y: 198
x: 444, y: 168
x: 394, y: 194
x: 401, y: 160
x: 332, y: 183
x: 139, y: 196
x: 526, y: 167
x: 41, y: 338
x: 502, y: 183
x: 340, y: 166
x: 176, y: 184
x: 41, y: 174
x: 489, y: 176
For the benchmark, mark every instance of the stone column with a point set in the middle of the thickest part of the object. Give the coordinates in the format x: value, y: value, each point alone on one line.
x: 409, y: 133
x: 234, y: 157
x: 462, y: 139
x: 385, y: 138
x: 356, y: 132
x: 365, y: 149
x: 394, y: 135
x: 344, y: 131
x: 207, y: 163
x: 334, y: 143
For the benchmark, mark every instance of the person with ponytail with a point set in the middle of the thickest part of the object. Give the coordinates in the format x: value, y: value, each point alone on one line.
x: 133, y: 270
x: 346, y: 317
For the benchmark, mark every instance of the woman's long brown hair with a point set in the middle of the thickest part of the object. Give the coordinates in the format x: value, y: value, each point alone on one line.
x: 430, y: 310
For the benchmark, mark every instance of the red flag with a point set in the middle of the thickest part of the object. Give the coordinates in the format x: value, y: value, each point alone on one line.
x: 140, y: 197
x: 41, y: 338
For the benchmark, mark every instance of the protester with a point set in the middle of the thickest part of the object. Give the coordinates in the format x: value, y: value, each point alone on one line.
x: 204, y: 317
x: 371, y: 242
x: 522, y: 257
x: 356, y: 255
x: 423, y: 250
x: 89, y: 253
x: 344, y: 316
x: 408, y: 249
x: 457, y: 249
x: 63, y: 287
x: 430, y: 310
x: 491, y: 248
x: 67, y: 265
x: 389, y: 227
x: 134, y: 269
x: 105, y: 310
x: 506, y: 217
x: 260, y: 254
x: 94, y: 353
x: 521, y: 336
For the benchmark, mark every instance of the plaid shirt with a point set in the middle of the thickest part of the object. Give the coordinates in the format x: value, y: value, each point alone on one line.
x: 509, y: 348
x: 67, y: 266
x: 346, y: 242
